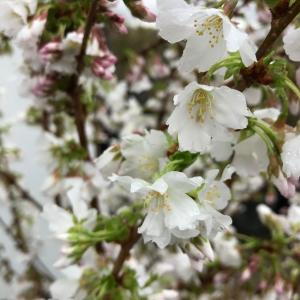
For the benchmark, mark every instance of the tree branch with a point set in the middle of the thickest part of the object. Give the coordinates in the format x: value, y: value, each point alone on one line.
x: 10, y: 180
x: 283, y: 15
x: 74, y: 88
x: 124, y: 252
x: 279, y: 23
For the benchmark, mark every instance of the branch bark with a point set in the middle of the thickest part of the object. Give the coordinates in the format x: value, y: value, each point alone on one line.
x: 10, y: 180
x: 74, y: 88
x: 283, y: 15
x: 279, y: 23
x: 124, y: 252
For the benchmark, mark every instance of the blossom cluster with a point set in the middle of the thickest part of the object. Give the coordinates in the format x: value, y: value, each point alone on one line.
x: 126, y: 162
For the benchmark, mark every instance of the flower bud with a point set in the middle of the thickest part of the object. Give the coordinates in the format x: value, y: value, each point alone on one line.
x: 50, y: 51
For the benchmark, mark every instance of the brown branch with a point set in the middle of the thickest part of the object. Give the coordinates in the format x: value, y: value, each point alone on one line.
x: 283, y: 15
x: 281, y: 19
x: 124, y: 252
x: 11, y: 180
x: 74, y: 88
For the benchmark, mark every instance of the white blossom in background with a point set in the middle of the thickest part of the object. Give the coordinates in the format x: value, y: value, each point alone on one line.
x: 14, y: 14
x: 253, y: 95
x: 68, y: 287
x: 291, y: 44
x: 144, y: 155
x: 291, y: 157
x: 226, y: 249
x: 251, y: 156
x: 209, y: 33
x: 205, y: 113
x: 171, y: 212
x: 61, y: 221
x: 109, y: 161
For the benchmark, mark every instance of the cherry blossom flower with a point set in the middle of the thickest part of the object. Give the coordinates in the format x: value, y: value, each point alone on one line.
x: 171, y: 212
x: 13, y: 15
x: 205, y: 113
x: 61, y: 221
x: 144, y: 155
x: 213, y: 197
x: 291, y: 44
x: 68, y: 287
x: 209, y: 33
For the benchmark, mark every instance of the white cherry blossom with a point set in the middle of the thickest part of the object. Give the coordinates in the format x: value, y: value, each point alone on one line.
x: 291, y: 44
x: 213, y: 197
x: 209, y: 33
x: 68, y: 287
x: 171, y: 212
x: 14, y: 14
x: 204, y: 114
x: 143, y: 154
x: 60, y: 220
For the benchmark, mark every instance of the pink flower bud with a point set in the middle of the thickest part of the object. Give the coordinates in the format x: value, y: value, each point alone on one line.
x: 140, y: 11
x: 50, y: 51
x: 118, y: 21
x: 43, y: 86
x: 286, y: 186
x: 103, y: 66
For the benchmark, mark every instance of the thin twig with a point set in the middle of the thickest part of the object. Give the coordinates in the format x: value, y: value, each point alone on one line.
x: 74, y: 88
x: 124, y: 252
x: 11, y: 180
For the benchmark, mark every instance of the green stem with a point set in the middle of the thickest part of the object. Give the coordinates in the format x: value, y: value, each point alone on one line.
x: 266, y: 128
x: 265, y: 138
x: 290, y: 84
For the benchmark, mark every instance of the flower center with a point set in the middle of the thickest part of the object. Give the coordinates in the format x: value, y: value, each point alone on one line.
x: 147, y: 163
x: 213, y: 26
x: 200, y: 105
x: 212, y: 195
x: 157, y: 201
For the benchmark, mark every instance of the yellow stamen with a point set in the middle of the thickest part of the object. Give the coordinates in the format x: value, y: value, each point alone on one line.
x: 200, y: 105
x: 214, y: 26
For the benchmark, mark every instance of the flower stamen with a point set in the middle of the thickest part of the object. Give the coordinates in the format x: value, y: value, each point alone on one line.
x: 157, y: 202
x: 200, y: 105
x: 214, y: 26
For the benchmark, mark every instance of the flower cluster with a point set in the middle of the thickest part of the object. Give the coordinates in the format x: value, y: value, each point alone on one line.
x: 168, y: 125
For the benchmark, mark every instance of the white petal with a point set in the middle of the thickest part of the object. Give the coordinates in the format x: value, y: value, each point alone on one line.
x: 179, y: 182
x: 63, y: 289
x: 199, y: 55
x: 227, y: 173
x: 291, y: 44
x: 221, y: 151
x: 174, y: 20
x: 251, y: 157
x: 160, y: 186
x: 230, y: 108
x: 60, y: 221
x: 267, y: 113
x: 183, y: 212
x: 291, y: 157
x: 237, y: 40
